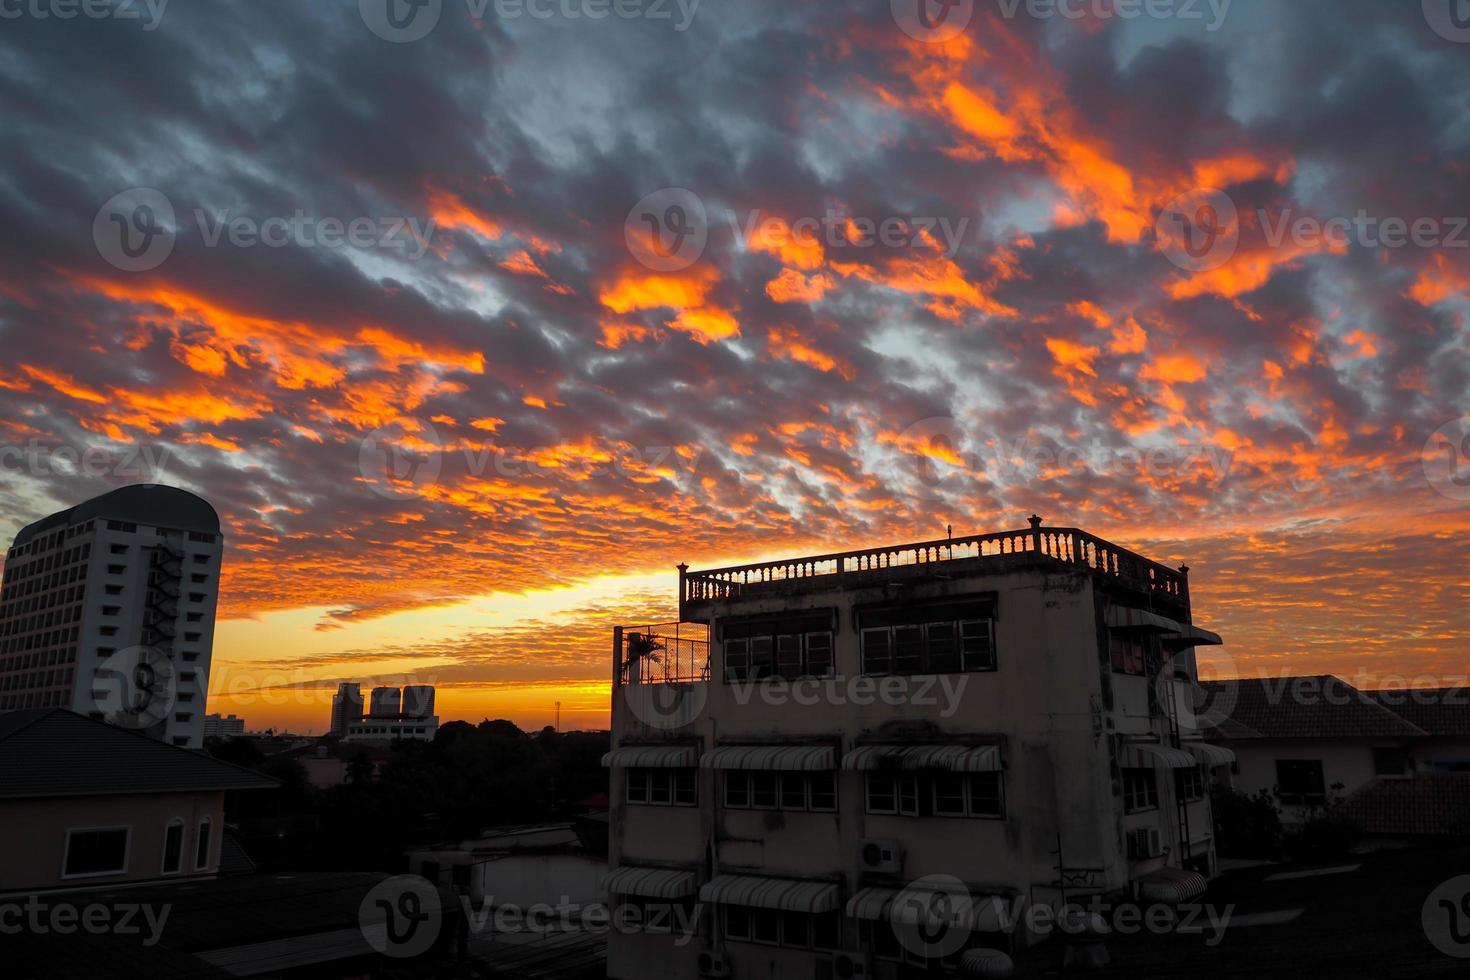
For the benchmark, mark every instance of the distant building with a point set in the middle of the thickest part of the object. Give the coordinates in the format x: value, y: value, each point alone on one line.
x: 517, y: 866
x: 783, y: 760
x: 228, y: 726
x: 346, y: 707
x: 418, y: 700
x: 387, y: 702
x: 393, y: 728
x: 96, y: 805
x: 108, y: 609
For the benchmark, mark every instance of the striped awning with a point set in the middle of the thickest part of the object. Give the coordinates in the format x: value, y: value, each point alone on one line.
x: 783, y: 894
x: 652, y: 757
x: 1210, y: 755
x: 986, y: 963
x: 650, y: 882
x: 1151, y: 755
x: 1171, y: 886
x: 786, y: 758
x: 917, y: 904
x: 954, y: 758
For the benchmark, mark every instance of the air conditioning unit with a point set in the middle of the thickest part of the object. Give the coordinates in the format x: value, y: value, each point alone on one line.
x: 882, y: 856
x: 712, y: 963
x: 850, y: 966
x: 1144, y: 843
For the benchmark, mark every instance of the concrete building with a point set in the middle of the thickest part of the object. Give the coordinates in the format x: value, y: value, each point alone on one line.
x: 228, y: 726
x: 346, y: 707
x: 394, y: 728
x: 522, y: 867
x: 88, y: 804
x: 108, y: 609
x: 826, y: 744
x: 386, y: 702
x: 418, y: 700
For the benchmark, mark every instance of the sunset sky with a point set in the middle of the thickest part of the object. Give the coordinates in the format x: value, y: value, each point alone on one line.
x: 461, y: 448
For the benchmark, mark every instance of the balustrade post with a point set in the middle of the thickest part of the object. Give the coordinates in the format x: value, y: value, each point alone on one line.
x: 1035, y: 523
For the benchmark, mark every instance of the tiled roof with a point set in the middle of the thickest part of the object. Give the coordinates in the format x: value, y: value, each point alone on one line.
x: 1313, y: 706
x: 1439, y: 711
x: 1426, y: 804
x: 52, y: 752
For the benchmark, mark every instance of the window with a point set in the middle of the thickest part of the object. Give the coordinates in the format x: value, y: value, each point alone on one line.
x: 1128, y: 653
x: 745, y: 790
x: 663, y: 787
x: 1140, y: 790
x: 173, y: 847
x: 936, y: 637
x: 96, y: 852
x: 657, y: 916
x: 792, y: 646
x: 1390, y: 762
x: 794, y: 930
x: 1190, y: 784
x: 975, y: 794
x: 893, y: 793
x: 201, y: 850
x: 1299, y: 781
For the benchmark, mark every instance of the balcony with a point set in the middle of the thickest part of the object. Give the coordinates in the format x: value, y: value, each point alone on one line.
x: 665, y: 653
x: 1057, y: 546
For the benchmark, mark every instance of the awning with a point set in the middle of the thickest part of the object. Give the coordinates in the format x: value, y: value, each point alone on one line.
x: 986, y: 963
x: 918, y: 905
x: 650, y: 882
x: 955, y: 758
x: 1171, y: 886
x: 1191, y: 636
x: 1150, y: 755
x: 1172, y: 633
x: 652, y: 757
x: 1210, y: 755
x: 786, y: 758
x: 783, y: 894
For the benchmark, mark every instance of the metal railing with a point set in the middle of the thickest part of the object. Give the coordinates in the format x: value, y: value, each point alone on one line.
x: 665, y: 653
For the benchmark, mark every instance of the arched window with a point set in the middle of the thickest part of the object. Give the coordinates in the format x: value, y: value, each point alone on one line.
x: 173, y: 847
x: 201, y: 853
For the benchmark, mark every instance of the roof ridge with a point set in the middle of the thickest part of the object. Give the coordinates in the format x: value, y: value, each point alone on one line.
x: 41, y: 713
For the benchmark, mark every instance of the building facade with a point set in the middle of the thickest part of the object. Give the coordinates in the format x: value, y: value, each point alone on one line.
x: 108, y: 609
x: 825, y: 745
x: 386, y: 701
x: 346, y: 707
x: 223, y: 726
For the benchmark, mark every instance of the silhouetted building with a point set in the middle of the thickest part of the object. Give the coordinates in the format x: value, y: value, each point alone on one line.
x: 108, y: 609
x: 418, y: 700
x: 227, y: 726
x: 346, y: 707
x: 825, y: 745
x: 387, y: 701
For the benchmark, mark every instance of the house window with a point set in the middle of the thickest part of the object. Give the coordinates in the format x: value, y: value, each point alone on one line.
x: 893, y: 793
x: 663, y: 787
x: 798, y: 645
x: 934, y: 638
x: 1390, y: 762
x: 815, y: 791
x: 1190, y: 784
x: 173, y: 847
x: 1140, y: 790
x: 96, y: 852
x: 794, y: 930
x: 1300, y: 781
x: 1129, y: 654
x: 201, y: 850
x: 936, y: 794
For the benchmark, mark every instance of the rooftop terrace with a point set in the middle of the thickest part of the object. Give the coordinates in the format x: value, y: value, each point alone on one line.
x: 1063, y: 546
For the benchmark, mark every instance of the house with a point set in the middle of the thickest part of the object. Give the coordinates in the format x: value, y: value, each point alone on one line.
x: 84, y: 803
x: 1398, y: 761
x: 825, y: 750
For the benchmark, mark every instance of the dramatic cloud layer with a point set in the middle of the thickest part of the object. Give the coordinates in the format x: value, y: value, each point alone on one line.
x: 528, y: 302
